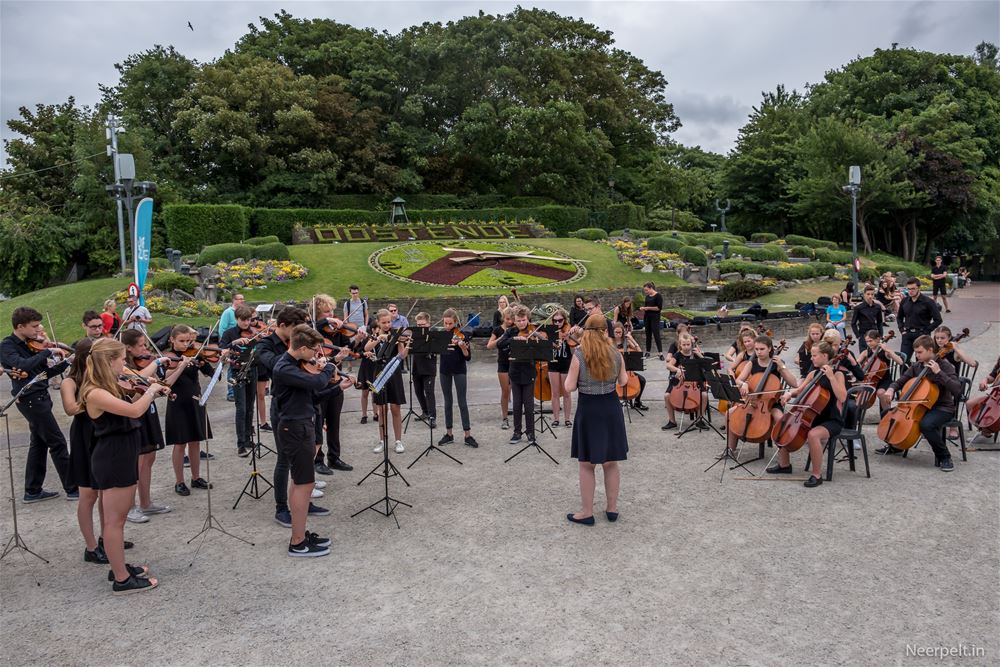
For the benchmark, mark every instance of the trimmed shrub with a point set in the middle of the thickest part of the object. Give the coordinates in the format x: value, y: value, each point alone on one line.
x: 795, y: 239
x: 223, y: 252
x: 682, y: 221
x: 769, y: 252
x: 170, y: 280
x: 617, y: 232
x: 741, y: 290
x: 589, y: 234
x: 277, y: 251
x: 665, y: 244
x: 190, y: 227
x: 262, y: 240
x: 802, y: 251
x: 797, y: 272
x: 835, y: 256
x: 625, y: 215
x: 159, y: 263
x: 693, y: 255
x: 763, y: 237
x: 868, y: 275
x: 711, y: 239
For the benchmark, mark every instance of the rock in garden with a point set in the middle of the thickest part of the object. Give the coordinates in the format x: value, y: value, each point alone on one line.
x: 181, y: 295
x: 731, y: 277
x: 713, y: 273
x: 756, y: 277
x: 647, y: 268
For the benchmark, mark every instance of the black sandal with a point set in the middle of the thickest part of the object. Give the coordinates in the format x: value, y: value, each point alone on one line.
x: 125, y: 544
x: 133, y: 585
x: 137, y: 571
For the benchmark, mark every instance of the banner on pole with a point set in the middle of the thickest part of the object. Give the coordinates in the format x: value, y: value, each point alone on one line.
x: 142, y: 243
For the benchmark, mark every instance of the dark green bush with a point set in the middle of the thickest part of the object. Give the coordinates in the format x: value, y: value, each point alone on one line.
x: 768, y: 252
x: 763, y: 237
x: 795, y: 239
x: 617, y: 232
x: 190, y: 227
x: 693, y: 255
x: 169, y: 280
x: 711, y: 239
x: 625, y: 215
x: 589, y: 234
x: 734, y: 249
x: 670, y: 220
x: 835, y: 256
x: 742, y: 290
x: 802, y: 251
x: 869, y: 275
x: 665, y: 244
x: 224, y: 252
x: 278, y: 251
x: 262, y: 240
x: 159, y: 263
x: 797, y: 272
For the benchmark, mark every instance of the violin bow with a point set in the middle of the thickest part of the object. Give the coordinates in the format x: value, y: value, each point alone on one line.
x: 51, y: 328
x: 208, y: 339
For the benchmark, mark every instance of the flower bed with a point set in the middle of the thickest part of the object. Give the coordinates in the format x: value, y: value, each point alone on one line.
x: 638, y: 255
x: 257, y: 274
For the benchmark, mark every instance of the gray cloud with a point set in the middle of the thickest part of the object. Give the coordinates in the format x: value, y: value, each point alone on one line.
x: 717, y: 56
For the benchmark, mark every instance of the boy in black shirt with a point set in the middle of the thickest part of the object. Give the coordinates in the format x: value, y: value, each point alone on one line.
x: 245, y: 390
x: 939, y: 278
x: 522, y: 377
x: 424, y: 369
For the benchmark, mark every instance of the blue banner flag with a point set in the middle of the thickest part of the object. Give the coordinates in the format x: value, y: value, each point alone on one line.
x: 142, y: 244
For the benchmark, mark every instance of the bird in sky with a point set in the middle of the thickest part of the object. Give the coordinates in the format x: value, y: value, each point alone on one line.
x: 191, y: 26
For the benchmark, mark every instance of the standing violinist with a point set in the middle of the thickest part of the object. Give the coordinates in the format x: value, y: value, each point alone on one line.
x: 918, y: 316
x: 559, y: 366
x: 687, y: 349
x: 984, y: 384
x: 36, y: 404
x: 876, y: 347
x: 243, y: 381
x: 387, y: 401
x: 941, y: 373
x: 752, y: 375
x: 651, y: 308
x: 522, y: 376
x: 828, y: 423
x: 187, y: 420
x: 423, y: 367
x: 331, y: 404
x: 625, y: 342
x: 454, y: 372
x: 866, y: 316
x: 503, y: 364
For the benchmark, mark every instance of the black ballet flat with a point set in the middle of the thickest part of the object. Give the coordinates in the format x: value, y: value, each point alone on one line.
x: 589, y: 521
x: 779, y: 470
x: 612, y: 516
x: 125, y: 543
x: 812, y: 482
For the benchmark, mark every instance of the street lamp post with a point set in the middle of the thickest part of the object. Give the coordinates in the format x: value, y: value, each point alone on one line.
x: 854, y: 187
x: 111, y: 131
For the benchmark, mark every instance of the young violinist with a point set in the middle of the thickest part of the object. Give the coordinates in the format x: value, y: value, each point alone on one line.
x: 804, y: 353
x: 330, y: 407
x: 109, y: 318
x: 423, y: 366
x: 562, y: 402
x: 18, y: 351
x: 625, y: 342
x: 763, y: 351
x: 829, y: 423
x: 941, y: 373
x: 876, y: 347
x: 973, y: 404
x: 114, y: 462
x: 503, y: 364
x: 955, y: 356
x: 93, y: 325
x: 140, y: 362
x: 522, y: 376
x: 294, y: 390
x: 394, y: 394
x: 237, y: 339
x: 454, y: 372
x: 187, y: 421
x: 686, y: 350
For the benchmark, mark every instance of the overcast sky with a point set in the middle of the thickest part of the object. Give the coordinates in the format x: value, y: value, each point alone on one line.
x: 717, y: 56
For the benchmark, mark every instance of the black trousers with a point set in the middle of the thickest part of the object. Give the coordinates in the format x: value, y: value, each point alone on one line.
x: 906, y: 344
x: 328, y: 412
x: 423, y: 387
x: 46, y: 436
x: 246, y: 399
x: 523, y: 396
x: 281, y: 467
x: 652, y: 327
x: 931, y: 427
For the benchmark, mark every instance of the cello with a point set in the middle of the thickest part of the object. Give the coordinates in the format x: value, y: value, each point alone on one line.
x: 751, y: 420
x: 792, y: 429
x: 986, y: 414
x: 875, y: 369
x: 900, y: 427
x: 686, y: 396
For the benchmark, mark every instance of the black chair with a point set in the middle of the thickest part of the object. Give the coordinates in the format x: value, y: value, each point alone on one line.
x: 956, y: 421
x: 860, y: 395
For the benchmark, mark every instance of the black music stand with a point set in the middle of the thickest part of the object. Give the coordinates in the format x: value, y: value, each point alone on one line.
x: 633, y: 362
x: 244, y: 375
x: 535, y: 351
x: 723, y: 387
x: 698, y: 370
x: 425, y: 341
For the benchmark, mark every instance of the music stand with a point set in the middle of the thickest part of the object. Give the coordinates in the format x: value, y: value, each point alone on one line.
x: 633, y: 362
x: 697, y: 370
x: 244, y: 375
x: 723, y: 388
x: 534, y: 350
x: 425, y: 341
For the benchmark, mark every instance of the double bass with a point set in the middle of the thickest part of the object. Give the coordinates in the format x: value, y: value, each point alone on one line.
x: 900, y: 427
x: 542, y: 388
x: 792, y: 429
x: 751, y: 420
x: 875, y: 370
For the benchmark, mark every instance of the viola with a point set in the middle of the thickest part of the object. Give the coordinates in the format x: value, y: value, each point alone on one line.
x: 751, y: 420
x: 791, y: 430
x: 985, y: 415
x: 900, y: 427
x: 875, y: 370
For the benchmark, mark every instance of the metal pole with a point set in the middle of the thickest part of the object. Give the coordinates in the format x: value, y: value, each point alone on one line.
x: 854, y: 234
x: 113, y: 127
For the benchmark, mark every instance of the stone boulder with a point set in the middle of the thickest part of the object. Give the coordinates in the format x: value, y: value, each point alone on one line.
x: 731, y: 277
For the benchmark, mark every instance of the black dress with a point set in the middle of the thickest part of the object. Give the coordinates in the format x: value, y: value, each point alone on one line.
x: 152, y: 434
x: 186, y: 419
x: 114, y: 463
x: 832, y: 419
x: 81, y: 448
x: 503, y: 353
x: 561, y: 356
x: 599, y: 428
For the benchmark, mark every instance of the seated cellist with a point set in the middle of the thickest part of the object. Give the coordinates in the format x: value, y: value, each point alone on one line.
x: 878, y: 348
x: 941, y: 373
x: 829, y: 422
x: 763, y: 349
x: 984, y: 384
x: 686, y: 350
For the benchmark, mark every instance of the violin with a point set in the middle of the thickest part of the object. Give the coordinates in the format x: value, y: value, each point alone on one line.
x: 16, y: 373
x: 201, y: 353
x: 136, y: 385
x: 42, y: 343
x: 346, y: 329
x: 751, y: 420
x: 875, y: 369
x: 985, y: 415
x: 791, y: 430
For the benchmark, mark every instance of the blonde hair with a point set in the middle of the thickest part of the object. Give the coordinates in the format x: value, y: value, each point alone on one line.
x: 422, y: 315
x: 180, y: 330
x: 521, y: 311
x: 98, y: 374
x: 382, y: 312
x: 832, y: 336
x: 110, y: 303
x: 596, y: 348
x: 325, y: 303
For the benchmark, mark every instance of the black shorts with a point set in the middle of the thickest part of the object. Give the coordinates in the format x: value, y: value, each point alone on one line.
x: 296, y: 438
x: 939, y: 287
x: 832, y: 426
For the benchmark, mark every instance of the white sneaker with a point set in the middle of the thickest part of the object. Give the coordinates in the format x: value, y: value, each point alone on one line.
x: 156, y: 509
x: 316, y: 493
x: 320, y: 484
x: 378, y: 448
x: 136, y: 515
x: 399, y: 447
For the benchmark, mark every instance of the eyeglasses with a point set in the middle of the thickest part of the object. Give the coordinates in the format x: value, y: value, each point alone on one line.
x: 392, y: 310
x: 558, y: 321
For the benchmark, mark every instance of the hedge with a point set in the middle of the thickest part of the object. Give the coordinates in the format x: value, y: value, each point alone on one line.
x: 835, y: 256
x: 262, y: 240
x: 741, y: 290
x: 804, y: 251
x: 190, y: 227
x: 763, y: 237
x: 382, y: 203
x: 795, y: 239
x: 711, y: 239
x: 768, y: 252
x: 665, y: 244
x: 693, y: 255
x: 734, y: 249
x: 670, y: 220
x: 168, y: 281
x: 797, y: 272
x: 589, y: 234
x: 625, y: 216
x: 278, y: 251
x: 227, y: 252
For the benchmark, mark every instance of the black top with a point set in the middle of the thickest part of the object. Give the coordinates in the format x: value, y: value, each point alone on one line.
x: 576, y: 316
x: 756, y: 367
x: 521, y: 372
x: 922, y: 315
x: 939, y: 274
x: 292, y: 388
x: 850, y: 368
x: 947, y: 380
x: 655, y: 300
x: 454, y: 360
x: 503, y: 353
x: 226, y: 342
x: 109, y: 423
x: 14, y: 353
x: 423, y: 364
x: 865, y: 318
x: 805, y: 361
x: 497, y: 318
x: 269, y: 349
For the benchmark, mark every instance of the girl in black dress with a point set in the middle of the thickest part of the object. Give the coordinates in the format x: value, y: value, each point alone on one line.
x: 687, y: 349
x: 394, y: 394
x: 956, y: 357
x: 114, y: 462
x: 599, y: 436
x: 559, y: 366
x: 503, y: 365
x: 502, y: 305
x: 187, y: 421
x: 828, y: 423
